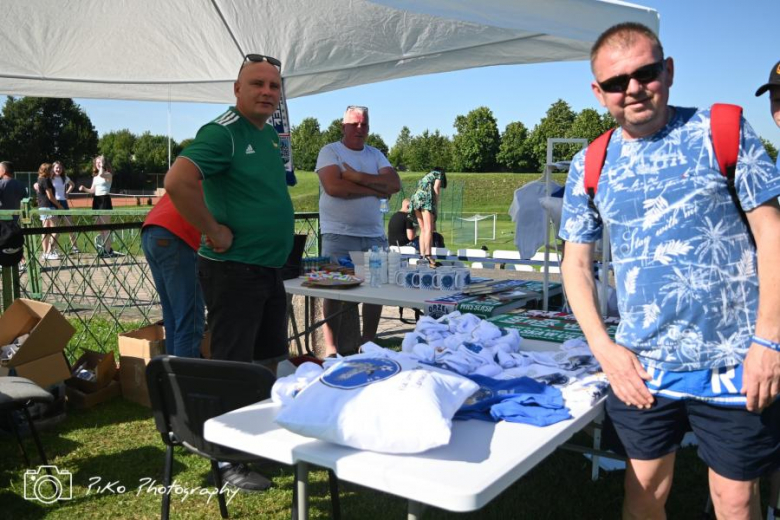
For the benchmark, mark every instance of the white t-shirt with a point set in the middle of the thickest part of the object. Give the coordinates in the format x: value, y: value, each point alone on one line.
x: 60, y: 182
x: 101, y: 185
x: 356, y: 217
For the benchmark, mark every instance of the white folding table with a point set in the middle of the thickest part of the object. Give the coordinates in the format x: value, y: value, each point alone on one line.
x: 387, y: 294
x: 481, y: 460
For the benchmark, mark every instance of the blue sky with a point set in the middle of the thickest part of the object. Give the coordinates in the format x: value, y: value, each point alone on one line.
x: 723, y: 50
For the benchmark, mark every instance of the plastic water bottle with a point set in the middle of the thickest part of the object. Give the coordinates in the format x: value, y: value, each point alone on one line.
x: 375, y: 267
x: 385, y: 265
x: 383, y: 206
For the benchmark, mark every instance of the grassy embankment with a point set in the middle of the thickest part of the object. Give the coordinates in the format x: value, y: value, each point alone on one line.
x: 483, y: 194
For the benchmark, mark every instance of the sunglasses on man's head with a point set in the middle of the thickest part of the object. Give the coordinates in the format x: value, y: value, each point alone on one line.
x: 644, y: 75
x: 259, y: 58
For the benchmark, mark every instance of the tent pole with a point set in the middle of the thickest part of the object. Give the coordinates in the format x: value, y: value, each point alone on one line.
x: 169, y: 127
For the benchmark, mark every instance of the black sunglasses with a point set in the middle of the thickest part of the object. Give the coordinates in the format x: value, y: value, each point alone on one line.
x: 644, y: 75
x: 259, y: 58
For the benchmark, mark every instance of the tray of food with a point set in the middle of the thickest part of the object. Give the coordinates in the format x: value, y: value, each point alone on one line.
x: 331, y: 280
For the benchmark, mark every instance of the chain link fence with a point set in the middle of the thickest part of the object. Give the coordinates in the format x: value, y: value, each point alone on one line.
x: 95, y: 271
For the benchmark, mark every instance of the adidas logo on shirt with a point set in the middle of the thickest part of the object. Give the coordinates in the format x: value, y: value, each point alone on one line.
x: 249, y: 149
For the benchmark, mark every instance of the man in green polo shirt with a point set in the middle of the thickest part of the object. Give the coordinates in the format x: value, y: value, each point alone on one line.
x: 246, y: 217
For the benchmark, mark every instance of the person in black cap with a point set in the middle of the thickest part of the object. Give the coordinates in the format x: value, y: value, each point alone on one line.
x: 773, y: 86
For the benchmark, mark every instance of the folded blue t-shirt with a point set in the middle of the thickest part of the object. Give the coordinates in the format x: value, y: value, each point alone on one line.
x: 522, y: 400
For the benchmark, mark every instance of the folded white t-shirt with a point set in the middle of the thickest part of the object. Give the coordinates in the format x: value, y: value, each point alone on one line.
x: 380, y: 401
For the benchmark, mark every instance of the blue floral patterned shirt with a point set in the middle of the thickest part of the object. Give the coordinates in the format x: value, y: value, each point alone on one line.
x: 684, y: 263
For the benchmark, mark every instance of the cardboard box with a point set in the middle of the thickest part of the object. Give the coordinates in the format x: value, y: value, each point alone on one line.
x: 132, y: 378
x: 144, y: 343
x: 103, y: 365
x: 136, y: 349
x: 40, y: 358
x: 79, y: 399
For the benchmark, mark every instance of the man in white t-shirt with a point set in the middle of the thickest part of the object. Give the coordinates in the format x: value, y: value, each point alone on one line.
x: 354, y: 177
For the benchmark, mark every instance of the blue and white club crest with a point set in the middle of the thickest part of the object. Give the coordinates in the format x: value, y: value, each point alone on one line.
x: 362, y: 372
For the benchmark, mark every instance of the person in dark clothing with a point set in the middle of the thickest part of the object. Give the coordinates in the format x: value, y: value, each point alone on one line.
x: 400, y: 228
x: 11, y: 190
x: 47, y: 202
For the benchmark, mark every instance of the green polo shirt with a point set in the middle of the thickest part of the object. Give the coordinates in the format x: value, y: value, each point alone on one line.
x: 245, y: 188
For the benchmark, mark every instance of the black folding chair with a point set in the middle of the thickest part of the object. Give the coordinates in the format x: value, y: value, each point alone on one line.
x: 16, y: 394
x: 186, y: 392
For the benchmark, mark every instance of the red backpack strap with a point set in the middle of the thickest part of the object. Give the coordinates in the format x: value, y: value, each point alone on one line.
x: 594, y: 162
x: 725, y: 125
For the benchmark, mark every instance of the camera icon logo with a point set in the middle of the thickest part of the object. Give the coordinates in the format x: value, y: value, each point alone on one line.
x: 48, y: 484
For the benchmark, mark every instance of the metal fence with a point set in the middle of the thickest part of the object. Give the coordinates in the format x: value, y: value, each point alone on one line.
x: 101, y: 294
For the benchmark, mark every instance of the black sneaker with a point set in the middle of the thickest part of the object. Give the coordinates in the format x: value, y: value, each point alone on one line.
x: 243, y: 478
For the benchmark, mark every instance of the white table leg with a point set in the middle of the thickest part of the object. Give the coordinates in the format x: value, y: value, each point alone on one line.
x: 594, y: 471
x: 302, y: 486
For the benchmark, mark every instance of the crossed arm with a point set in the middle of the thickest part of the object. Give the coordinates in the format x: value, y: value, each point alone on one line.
x: 352, y: 184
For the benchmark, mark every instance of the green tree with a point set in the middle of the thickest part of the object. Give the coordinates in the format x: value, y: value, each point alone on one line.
x: 514, y: 153
x: 377, y: 142
x: 151, y: 153
x: 37, y: 130
x: 118, y: 146
x: 185, y: 143
x: 770, y: 149
x: 333, y: 133
x: 398, y: 154
x: 476, y: 141
x: 306, y: 143
x: 427, y: 151
x: 607, y: 121
x: 556, y: 123
x: 588, y: 124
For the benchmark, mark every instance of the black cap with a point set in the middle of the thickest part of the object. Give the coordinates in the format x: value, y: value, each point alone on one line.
x: 774, y: 80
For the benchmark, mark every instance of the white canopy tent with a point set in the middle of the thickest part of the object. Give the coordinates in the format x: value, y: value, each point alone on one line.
x: 190, y: 50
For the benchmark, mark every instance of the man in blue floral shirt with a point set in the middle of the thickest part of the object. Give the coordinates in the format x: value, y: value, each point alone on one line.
x: 697, y: 344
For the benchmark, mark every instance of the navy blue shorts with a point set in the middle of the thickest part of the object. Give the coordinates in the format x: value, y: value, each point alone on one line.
x: 733, y: 442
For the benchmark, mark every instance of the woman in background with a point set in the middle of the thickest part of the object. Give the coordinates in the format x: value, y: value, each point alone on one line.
x: 102, y: 176
x: 424, y: 202
x: 47, y: 202
x: 62, y: 187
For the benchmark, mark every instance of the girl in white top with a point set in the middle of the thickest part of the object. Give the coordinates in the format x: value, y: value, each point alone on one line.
x: 62, y: 188
x: 102, y: 176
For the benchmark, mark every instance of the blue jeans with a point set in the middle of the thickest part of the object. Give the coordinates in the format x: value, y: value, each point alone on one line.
x: 174, y: 268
